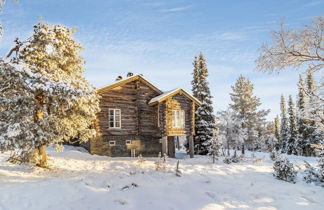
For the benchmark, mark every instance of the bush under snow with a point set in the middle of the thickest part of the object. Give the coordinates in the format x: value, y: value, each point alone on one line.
x: 284, y: 170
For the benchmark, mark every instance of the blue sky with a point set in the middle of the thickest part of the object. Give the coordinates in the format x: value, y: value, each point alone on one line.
x: 159, y: 38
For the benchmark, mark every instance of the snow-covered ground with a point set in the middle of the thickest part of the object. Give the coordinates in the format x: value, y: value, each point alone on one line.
x: 79, y: 180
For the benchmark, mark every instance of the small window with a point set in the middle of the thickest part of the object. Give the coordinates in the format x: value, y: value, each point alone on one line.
x: 128, y: 142
x: 112, y: 143
x: 178, y: 119
x: 114, y: 118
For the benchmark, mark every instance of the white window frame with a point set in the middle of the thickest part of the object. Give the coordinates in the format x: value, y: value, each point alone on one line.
x: 178, y: 118
x: 114, y: 118
x: 112, y: 143
x: 128, y: 142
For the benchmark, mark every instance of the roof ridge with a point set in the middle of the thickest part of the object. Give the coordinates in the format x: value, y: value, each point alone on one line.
x: 129, y: 79
x: 164, y: 95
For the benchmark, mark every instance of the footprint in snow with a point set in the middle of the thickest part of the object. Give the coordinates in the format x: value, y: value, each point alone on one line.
x: 121, y: 202
x: 211, y: 195
x: 127, y: 187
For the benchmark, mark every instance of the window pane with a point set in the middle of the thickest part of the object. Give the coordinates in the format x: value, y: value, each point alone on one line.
x: 173, y: 119
x: 111, y: 124
x: 178, y: 119
x: 183, y: 119
x: 117, y: 124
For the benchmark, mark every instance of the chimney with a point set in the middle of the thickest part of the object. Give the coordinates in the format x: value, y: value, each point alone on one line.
x: 119, y: 78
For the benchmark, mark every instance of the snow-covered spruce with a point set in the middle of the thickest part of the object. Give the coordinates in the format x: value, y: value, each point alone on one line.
x: 204, y: 114
x: 315, y: 175
x: 284, y: 170
x: 214, y: 148
x: 273, y: 155
x: 284, y: 129
x: 310, y: 173
x: 293, y: 130
x: 321, y: 169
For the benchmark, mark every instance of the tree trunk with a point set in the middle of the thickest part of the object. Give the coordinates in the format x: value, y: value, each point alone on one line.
x: 178, y: 143
x: 191, y: 146
x: 243, y: 150
x: 43, y: 157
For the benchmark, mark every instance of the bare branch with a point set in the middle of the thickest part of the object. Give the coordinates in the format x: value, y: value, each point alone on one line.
x: 294, y: 48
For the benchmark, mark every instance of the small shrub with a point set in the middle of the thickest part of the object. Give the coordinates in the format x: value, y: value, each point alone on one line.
x: 310, y: 174
x: 321, y: 169
x: 227, y: 160
x: 140, y: 161
x: 233, y: 159
x: 161, y: 163
x: 284, y: 170
x: 273, y: 155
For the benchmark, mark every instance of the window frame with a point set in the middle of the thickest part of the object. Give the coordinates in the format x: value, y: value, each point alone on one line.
x: 128, y: 142
x: 178, y: 118
x: 114, y: 118
x: 112, y: 143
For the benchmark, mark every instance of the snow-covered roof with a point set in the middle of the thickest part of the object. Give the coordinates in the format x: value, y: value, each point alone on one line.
x: 130, y: 79
x: 171, y: 93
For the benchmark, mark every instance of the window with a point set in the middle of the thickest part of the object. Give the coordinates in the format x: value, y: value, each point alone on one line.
x: 112, y: 143
x: 128, y: 142
x: 114, y: 118
x: 178, y: 119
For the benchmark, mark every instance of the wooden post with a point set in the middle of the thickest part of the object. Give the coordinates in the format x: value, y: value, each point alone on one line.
x: 191, y: 146
x: 164, y: 145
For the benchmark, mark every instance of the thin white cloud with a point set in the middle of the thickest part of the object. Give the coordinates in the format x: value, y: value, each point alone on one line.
x: 314, y: 3
x: 176, y: 9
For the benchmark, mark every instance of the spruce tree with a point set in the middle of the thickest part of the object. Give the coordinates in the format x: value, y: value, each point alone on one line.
x: 245, y: 105
x: 204, y: 114
x: 303, y: 137
x: 52, y: 52
x: 277, y: 131
x: 284, y: 135
x: 293, y: 131
x: 314, y: 115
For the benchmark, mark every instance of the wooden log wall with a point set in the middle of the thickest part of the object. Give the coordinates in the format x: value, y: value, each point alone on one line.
x: 178, y: 102
x: 137, y: 118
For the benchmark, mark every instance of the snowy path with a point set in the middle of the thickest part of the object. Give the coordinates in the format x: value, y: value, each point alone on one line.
x: 83, y: 181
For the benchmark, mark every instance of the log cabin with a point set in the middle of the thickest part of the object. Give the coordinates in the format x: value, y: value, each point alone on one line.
x: 136, y: 118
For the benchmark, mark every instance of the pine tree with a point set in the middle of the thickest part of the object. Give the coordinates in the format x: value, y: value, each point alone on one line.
x: 204, y: 114
x: 245, y: 104
x: 293, y: 131
x: 284, y: 133
x: 52, y: 52
x: 26, y: 123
